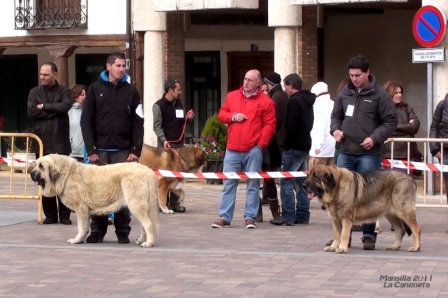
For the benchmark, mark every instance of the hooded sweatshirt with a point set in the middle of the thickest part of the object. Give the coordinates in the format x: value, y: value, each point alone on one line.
x: 76, y: 139
x: 320, y: 134
x: 299, y: 121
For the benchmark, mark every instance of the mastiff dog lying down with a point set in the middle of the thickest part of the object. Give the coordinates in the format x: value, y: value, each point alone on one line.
x: 185, y: 159
x: 99, y: 190
x: 352, y: 199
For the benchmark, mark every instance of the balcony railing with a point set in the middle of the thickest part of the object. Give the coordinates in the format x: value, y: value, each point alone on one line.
x: 50, y: 14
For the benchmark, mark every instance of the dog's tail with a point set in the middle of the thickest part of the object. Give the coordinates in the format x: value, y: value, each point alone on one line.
x: 407, y: 228
x: 154, y: 204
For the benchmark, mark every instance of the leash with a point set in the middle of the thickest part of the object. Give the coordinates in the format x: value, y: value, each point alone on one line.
x: 189, y: 113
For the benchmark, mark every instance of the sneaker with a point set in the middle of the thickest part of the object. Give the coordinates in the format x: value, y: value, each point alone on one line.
x: 49, y: 221
x: 221, y: 223
x: 123, y: 238
x: 94, y: 238
x: 250, y: 224
x: 66, y: 221
x: 368, y: 244
x: 279, y: 222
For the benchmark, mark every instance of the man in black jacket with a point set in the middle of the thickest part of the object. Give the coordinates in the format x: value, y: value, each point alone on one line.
x: 272, y: 155
x: 363, y: 118
x: 113, y: 133
x: 48, y: 105
x: 296, y: 145
x: 169, y: 126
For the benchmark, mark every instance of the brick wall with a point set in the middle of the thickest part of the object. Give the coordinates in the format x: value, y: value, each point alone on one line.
x: 174, y: 48
x: 307, y: 51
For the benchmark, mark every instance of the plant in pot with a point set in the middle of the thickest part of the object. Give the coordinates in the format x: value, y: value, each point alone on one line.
x: 19, y: 158
x: 213, y: 142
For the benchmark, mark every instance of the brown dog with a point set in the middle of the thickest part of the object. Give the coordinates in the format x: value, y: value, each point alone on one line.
x: 186, y: 159
x: 352, y: 198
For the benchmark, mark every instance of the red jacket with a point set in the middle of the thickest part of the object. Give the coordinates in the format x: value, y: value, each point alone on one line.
x: 259, y: 126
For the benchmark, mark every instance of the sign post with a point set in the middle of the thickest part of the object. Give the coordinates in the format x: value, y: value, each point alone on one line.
x: 428, y: 27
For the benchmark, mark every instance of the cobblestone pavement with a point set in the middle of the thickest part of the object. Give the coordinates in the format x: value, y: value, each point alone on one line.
x: 190, y: 259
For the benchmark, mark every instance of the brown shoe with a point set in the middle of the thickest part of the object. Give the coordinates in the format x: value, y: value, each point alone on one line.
x: 220, y: 223
x: 250, y: 224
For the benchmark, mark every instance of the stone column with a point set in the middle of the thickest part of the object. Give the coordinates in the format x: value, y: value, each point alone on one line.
x: 286, y: 19
x: 154, y: 25
x: 60, y: 53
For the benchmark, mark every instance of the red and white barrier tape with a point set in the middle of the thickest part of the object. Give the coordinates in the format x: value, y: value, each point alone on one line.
x: 7, y: 159
x: 403, y: 164
x: 387, y: 163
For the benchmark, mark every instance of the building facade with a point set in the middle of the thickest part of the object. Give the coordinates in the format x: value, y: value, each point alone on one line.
x: 208, y: 45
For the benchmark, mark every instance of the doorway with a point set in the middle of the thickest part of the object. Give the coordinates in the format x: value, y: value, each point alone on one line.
x: 202, y: 89
x: 240, y: 62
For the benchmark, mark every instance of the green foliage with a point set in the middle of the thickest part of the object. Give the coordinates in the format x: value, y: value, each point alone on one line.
x: 213, y: 139
x: 214, y: 128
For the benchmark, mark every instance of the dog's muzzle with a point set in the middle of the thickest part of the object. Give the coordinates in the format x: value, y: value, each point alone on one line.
x: 37, y: 178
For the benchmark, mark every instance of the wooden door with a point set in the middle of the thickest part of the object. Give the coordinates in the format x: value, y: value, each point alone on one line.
x: 240, y: 62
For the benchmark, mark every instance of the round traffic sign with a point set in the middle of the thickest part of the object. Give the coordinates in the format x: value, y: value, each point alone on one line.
x: 429, y: 26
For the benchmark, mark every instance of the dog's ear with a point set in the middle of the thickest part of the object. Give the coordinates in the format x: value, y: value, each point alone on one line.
x: 329, y: 181
x: 53, y: 171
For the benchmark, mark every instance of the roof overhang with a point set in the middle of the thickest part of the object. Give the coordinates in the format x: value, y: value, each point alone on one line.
x: 189, y: 5
x: 321, y: 2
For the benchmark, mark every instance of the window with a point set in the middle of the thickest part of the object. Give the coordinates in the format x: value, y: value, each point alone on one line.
x: 46, y: 14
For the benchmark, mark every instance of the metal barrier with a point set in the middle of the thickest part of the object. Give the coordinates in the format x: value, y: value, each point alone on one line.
x: 25, y: 195
x: 428, y: 161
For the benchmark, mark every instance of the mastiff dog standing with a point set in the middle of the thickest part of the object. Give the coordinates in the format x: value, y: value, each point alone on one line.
x: 186, y: 159
x: 352, y: 199
x: 99, y: 190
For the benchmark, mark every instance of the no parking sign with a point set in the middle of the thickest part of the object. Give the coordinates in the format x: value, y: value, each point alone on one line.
x: 429, y: 26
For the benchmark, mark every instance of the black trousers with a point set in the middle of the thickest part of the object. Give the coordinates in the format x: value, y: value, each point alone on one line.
x: 122, y: 218
x: 269, y: 187
x: 50, y: 206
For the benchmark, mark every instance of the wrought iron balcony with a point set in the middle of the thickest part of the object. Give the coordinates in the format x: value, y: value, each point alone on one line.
x: 50, y: 14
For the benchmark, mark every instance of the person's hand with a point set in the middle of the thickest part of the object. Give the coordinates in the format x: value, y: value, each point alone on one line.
x: 317, y: 151
x: 368, y: 143
x: 93, y: 158
x: 438, y: 155
x: 411, y: 121
x: 40, y: 106
x: 132, y: 157
x: 190, y: 114
x: 166, y: 145
x: 338, y: 135
x: 240, y: 117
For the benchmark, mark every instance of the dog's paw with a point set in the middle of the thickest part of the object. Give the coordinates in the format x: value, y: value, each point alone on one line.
x: 74, y: 241
x: 329, y: 249
x: 414, y: 249
x: 139, y: 241
x: 147, y: 244
x: 393, y: 247
x: 167, y: 211
x: 341, y: 250
x: 378, y: 230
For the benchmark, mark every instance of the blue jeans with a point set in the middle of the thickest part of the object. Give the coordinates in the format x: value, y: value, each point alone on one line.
x: 294, y: 160
x: 361, y: 164
x: 241, y: 161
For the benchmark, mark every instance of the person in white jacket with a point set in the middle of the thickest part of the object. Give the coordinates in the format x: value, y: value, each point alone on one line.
x: 322, y: 142
x: 74, y: 114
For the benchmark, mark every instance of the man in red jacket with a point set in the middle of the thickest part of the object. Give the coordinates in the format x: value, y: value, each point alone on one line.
x: 250, y: 116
